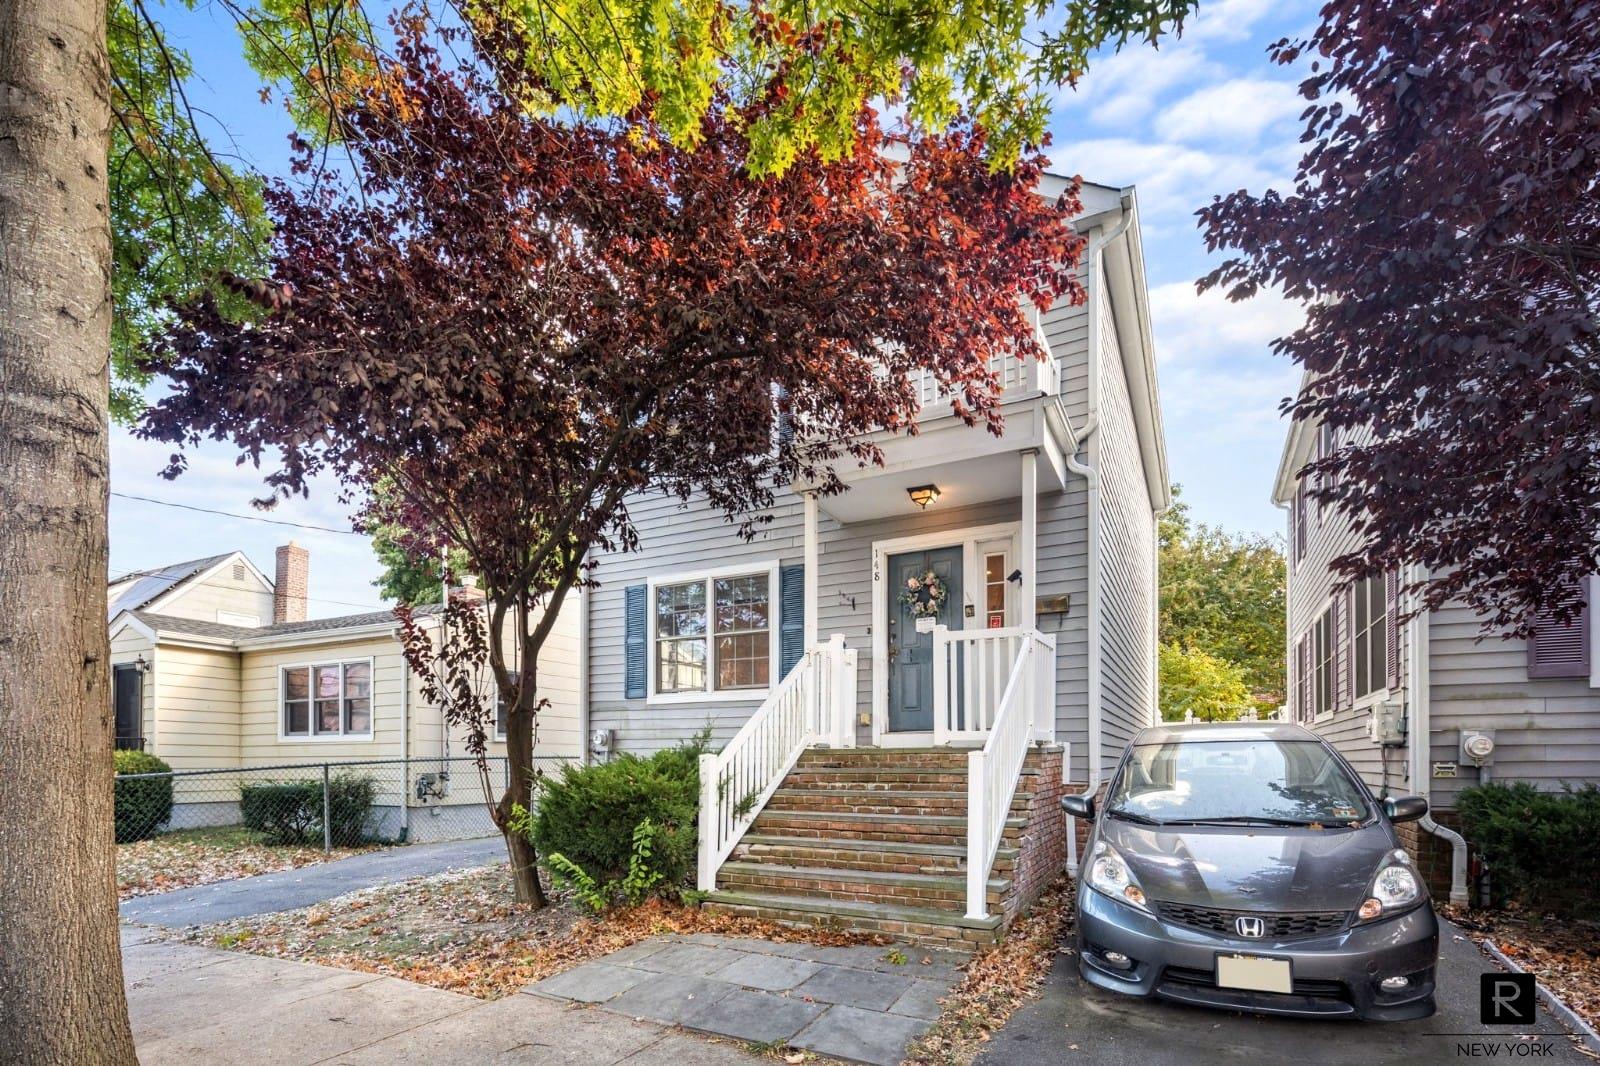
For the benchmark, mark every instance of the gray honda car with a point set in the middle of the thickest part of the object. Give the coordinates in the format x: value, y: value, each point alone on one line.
x: 1245, y: 866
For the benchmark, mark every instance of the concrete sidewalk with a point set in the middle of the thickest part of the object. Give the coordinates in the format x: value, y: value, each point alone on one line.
x: 290, y: 889
x: 196, y: 1005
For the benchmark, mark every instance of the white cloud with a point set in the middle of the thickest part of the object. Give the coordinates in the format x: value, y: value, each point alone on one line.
x: 1193, y: 327
x: 1236, y: 111
x: 1173, y: 180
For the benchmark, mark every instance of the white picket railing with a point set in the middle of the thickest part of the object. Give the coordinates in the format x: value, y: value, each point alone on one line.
x: 971, y: 668
x: 813, y: 704
x: 1017, y: 373
x: 1025, y: 705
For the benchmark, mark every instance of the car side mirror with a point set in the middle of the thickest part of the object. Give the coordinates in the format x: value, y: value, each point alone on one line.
x: 1405, y: 808
x: 1079, y: 805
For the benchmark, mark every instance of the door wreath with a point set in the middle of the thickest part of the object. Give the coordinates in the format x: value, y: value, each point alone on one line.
x: 923, y: 596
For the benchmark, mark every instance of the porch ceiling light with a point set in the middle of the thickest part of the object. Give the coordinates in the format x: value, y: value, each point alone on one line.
x: 922, y: 495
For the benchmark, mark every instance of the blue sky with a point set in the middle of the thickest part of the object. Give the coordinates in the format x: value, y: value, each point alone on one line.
x: 1204, y: 114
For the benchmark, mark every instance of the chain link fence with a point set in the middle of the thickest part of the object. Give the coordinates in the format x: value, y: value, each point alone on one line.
x: 322, y: 804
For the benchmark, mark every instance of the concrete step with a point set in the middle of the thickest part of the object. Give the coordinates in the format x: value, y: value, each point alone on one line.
x: 838, y: 853
x: 936, y: 891
x: 948, y: 929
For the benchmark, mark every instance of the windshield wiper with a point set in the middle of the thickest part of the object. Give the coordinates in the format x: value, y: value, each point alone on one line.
x: 1137, y: 819
x: 1241, y: 819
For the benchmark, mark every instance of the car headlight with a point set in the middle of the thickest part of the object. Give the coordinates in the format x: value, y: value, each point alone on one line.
x: 1395, y: 887
x: 1108, y: 873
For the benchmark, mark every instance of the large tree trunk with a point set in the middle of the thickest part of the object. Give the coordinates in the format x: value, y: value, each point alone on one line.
x: 61, y: 997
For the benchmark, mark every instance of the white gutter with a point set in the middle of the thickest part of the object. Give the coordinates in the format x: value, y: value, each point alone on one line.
x: 1419, y: 746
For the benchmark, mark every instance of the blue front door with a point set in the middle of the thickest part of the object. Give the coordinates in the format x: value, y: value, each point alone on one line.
x: 910, y: 652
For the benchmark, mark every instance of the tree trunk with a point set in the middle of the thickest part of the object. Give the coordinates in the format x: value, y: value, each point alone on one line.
x: 61, y: 995
x: 520, y: 850
x: 519, y: 757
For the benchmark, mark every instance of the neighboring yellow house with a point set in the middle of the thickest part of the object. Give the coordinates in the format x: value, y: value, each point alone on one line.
x: 215, y: 666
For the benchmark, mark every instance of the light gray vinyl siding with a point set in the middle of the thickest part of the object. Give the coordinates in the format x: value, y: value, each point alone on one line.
x: 677, y: 537
x: 1127, y: 637
x: 1311, y: 585
x: 1066, y: 328
x: 1546, y: 730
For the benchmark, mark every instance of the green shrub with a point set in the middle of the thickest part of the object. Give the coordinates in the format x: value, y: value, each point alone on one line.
x: 282, y: 811
x: 589, y: 816
x: 1538, y: 845
x: 140, y: 806
x: 290, y: 812
x: 349, y: 803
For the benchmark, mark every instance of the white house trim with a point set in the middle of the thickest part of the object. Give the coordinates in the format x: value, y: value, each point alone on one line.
x: 966, y: 538
x: 711, y: 694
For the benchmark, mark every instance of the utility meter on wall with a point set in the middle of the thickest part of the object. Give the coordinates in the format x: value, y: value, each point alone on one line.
x: 1477, y: 746
x: 1387, y: 724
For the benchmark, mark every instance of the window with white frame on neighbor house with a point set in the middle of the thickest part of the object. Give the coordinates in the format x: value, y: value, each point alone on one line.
x: 714, y: 634
x: 1369, y: 635
x: 327, y: 699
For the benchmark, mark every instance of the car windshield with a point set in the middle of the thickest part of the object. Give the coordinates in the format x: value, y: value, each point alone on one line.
x: 1275, y: 782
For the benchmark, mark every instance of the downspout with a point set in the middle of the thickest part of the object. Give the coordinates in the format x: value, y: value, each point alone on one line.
x: 583, y: 677
x: 1419, y: 743
x: 1090, y: 472
x: 405, y: 747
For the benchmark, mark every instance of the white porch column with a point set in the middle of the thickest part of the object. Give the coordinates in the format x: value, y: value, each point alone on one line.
x: 812, y: 606
x: 1028, y: 548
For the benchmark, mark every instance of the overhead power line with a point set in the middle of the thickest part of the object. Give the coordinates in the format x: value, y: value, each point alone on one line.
x: 234, y: 514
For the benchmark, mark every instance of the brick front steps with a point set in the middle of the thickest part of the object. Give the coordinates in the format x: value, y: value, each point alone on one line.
x: 875, y: 839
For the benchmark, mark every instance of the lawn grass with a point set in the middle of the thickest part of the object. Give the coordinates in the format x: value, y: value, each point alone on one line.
x: 190, y: 857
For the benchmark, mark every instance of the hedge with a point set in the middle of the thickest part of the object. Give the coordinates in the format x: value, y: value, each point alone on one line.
x: 290, y: 812
x: 1538, y: 846
x: 140, y: 806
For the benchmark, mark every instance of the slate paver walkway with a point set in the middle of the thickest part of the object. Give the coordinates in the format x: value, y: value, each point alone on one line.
x: 194, y: 1006
x: 846, y: 1002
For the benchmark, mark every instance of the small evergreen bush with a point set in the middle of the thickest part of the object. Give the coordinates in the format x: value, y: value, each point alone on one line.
x: 144, y: 805
x: 290, y: 812
x: 1539, y: 846
x: 590, y: 815
x: 283, y: 812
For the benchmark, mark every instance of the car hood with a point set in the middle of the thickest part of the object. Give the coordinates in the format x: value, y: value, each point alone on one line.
x: 1276, y: 869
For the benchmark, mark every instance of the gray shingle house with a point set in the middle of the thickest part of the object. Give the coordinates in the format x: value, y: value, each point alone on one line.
x: 1427, y: 706
x: 902, y: 675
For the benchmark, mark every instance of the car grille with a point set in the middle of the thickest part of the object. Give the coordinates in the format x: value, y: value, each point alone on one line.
x: 1284, y: 926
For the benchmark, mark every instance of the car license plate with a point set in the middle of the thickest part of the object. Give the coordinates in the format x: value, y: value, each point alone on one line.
x: 1254, y: 974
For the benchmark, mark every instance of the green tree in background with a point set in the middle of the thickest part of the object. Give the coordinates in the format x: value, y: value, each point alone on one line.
x: 811, y: 66
x: 1223, y: 594
x: 1199, y: 683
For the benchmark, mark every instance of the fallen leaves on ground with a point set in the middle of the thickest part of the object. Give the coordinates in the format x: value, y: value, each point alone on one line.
x: 462, y: 931
x: 998, y: 980
x: 1563, y: 954
x: 192, y: 857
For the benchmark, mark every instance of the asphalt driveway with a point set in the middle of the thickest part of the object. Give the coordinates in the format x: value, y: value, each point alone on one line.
x: 1075, y: 1021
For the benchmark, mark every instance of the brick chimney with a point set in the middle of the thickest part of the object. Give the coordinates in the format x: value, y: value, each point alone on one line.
x: 289, y: 587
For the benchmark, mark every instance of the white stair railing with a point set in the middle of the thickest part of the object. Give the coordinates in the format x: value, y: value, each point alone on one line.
x: 971, y: 668
x: 813, y: 704
x: 993, y: 771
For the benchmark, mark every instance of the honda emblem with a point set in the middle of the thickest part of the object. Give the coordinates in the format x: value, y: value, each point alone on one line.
x: 1254, y: 928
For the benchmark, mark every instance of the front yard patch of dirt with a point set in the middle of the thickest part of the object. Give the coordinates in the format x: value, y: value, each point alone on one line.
x: 1563, y: 954
x: 192, y: 857
x: 462, y: 931
x: 998, y: 981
